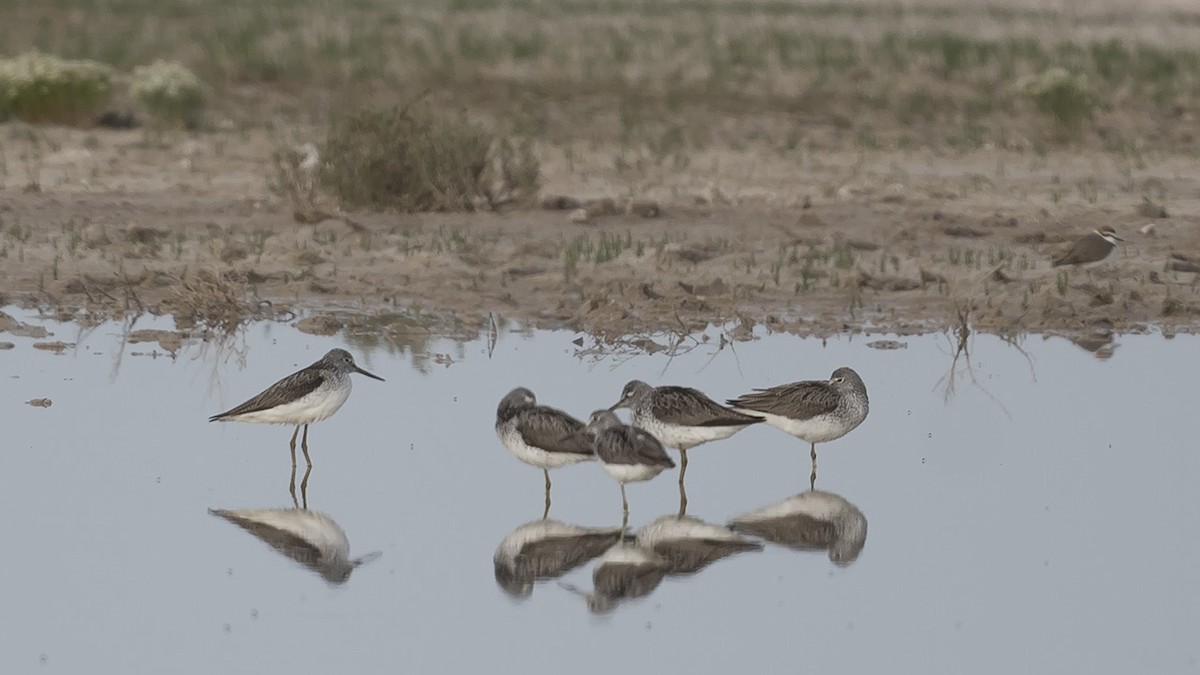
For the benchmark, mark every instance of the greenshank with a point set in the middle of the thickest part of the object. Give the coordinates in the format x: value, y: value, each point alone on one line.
x: 680, y: 418
x: 628, y: 454
x: 816, y: 411
x: 309, y: 395
x: 539, y: 435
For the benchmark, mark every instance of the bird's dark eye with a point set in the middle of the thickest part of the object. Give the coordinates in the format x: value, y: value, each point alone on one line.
x: 839, y: 380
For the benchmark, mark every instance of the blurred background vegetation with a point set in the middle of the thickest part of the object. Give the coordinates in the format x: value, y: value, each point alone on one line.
x: 683, y: 72
x: 658, y: 79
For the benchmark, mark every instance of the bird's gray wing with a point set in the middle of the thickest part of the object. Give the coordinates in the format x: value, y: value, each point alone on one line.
x: 290, y: 388
x: 644, y: 448
x: 798, y: 400
x: 689, y: 407
x: 553, y: 431
x: 1069, y: 257
x: 1073, y: 256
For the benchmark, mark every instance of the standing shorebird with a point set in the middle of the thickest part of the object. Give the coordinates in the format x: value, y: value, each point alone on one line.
x: 1091, y: 249
x: 816, y: 411
x: 539, y: 435
x: 628, y: 454
x: 681, y: 418
x: 306, y: 396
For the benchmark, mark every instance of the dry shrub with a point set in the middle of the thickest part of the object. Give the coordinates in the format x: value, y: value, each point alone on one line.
x: 419, y: 160
x: 293, y: 173
x: 211, y: 302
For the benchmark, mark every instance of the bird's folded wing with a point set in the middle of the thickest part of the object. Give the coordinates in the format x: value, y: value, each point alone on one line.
x: 553, y: 430
x: 293, y: 387
x: 688, y: 407
x: 647, y: 448
x: 799, y: 400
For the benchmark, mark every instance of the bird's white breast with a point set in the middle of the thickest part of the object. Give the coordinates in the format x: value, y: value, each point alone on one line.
x: 317, y: 405
x: 632, y: 473
x: 681, y: 437
x: 819, y: 429
x: 532, y: 455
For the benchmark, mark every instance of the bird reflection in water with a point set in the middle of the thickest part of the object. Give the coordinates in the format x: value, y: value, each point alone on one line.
x: 547, y: 549
x: 626, y: 571
x: 670, y: 545
x: 689, y: 544
x: 811, y: 521
x: 310, y: 538
x: 303, y: 487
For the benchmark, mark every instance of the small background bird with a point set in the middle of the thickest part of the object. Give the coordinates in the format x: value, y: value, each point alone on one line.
x: 1092, y: 248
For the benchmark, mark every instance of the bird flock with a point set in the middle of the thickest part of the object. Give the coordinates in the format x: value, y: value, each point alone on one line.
x: 815, y: 411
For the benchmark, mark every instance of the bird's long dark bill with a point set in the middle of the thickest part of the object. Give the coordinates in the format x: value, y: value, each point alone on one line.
x: 363, y: 372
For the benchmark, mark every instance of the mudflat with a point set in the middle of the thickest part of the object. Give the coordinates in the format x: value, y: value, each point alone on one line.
x: 883, y: 241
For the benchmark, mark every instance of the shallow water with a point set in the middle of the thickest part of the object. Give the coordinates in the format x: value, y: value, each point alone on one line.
x: 1042, y: 517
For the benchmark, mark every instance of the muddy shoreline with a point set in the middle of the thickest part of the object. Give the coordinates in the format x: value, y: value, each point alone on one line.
x: 793, y: 272
x: 188, y: 228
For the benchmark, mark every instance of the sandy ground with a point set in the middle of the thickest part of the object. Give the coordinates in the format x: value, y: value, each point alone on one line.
x: 807, y: 244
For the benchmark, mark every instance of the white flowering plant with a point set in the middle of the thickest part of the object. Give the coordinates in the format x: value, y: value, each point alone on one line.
x: 170, y: 92
x: 39, y: 87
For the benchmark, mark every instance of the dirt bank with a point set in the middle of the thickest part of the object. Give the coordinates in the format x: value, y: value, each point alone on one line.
x: 895, y: 242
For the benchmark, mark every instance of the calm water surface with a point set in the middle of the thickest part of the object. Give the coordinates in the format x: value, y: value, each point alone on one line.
x: 1041, y: 517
